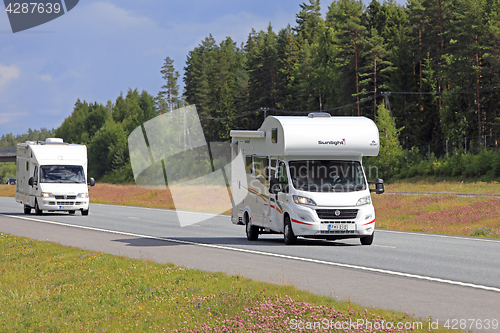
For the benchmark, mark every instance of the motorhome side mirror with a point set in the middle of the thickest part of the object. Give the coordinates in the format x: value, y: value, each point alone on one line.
x: 91, y: 181
x: 379, y: 186
x: 274, y: 186
x: 31, y: 181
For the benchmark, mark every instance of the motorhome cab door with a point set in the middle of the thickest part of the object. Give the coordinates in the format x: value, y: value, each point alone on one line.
x: 279, y: 199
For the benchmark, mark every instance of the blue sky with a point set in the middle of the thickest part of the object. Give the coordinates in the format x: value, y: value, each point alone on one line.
x: 104, y: 47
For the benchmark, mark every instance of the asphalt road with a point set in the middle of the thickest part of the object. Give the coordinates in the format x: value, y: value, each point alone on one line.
x: 427, y: 275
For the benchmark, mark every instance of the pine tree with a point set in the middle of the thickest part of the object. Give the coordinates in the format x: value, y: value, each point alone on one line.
x: 374, y: 74
x: 288, y: 62
x: 346, y: 17
x: 262, y: 67
x: 196, y: 75
x: 170, y: 90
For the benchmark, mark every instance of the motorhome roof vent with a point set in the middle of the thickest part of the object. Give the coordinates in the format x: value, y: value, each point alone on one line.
x: 54, y: 140
x: 319, y: 115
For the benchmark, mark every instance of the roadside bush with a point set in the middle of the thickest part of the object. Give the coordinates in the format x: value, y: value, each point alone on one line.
x: 390, y: 157
x: 485, y: 165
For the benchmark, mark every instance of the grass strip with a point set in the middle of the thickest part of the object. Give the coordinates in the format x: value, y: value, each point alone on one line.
x: 47, y: 287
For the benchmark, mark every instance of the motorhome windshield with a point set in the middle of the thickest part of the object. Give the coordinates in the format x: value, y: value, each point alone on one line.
x: 327, y: 176
x: 61, y: 174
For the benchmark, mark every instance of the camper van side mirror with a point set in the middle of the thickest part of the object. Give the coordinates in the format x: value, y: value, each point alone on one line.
x: 91, y: 181
x: 379, y: 186
x: 31, y: 181
x: 274, y: 186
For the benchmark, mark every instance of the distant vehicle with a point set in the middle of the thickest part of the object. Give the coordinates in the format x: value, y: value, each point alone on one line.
x: 10, y: 181
x: 303, y: 177
x: 52, y: 176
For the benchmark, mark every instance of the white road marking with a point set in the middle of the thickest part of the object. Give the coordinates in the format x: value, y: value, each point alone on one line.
x: 391, y: 247
x: 479, y: 239
x: 368, y: 269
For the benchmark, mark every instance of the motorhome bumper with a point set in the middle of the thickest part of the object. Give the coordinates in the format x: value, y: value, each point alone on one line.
x: 362, y: 223
x: 63, y: 204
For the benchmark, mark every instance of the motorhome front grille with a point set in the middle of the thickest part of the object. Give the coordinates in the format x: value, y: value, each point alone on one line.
x: 338, y: 232
x: 65, y: 203
x: 339, y: 222
x: 66, y: 197
x: 337, y: 214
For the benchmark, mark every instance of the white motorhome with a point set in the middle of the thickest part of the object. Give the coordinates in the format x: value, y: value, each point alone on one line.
x: 303, y: 176
x: 52, y: 176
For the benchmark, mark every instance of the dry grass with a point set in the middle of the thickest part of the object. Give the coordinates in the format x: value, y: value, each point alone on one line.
x: 444, y: 214
x: 7, y: 190
x: 445, y: 186
x: 208, y: 199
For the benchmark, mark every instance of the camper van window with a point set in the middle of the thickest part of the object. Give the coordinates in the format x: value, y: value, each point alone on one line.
x: 248, y: 164
x: 35, y: 175
x: 283, y: 177
x: 234, y: 148
x: 327, y: 176
x: 260, y: 166
x: 274, y: 135
x: 62, y: 174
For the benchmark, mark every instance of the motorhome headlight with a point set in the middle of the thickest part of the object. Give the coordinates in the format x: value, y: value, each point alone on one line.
x: 303, y: 200
x: 47, y: 195
x: 83, y: 195
x: 364, y: 201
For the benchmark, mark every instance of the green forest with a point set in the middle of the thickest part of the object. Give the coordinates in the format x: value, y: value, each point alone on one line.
x: 427, y: 72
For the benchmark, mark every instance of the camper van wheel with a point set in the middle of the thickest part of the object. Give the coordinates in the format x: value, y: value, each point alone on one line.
x: 85, y: 212
x: 27, y: 209
x: 252, y: 231
x: 290, y: 237
x: 38, y: 211
x: 367, y: 240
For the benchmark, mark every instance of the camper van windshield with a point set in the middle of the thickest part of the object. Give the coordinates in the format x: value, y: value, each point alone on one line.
x: 61, y: 174
x: 327, y: 176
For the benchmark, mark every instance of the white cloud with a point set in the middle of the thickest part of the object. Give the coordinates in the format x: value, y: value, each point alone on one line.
x: 7, y: 73
x: 109, y: 18
x: 46, y: 77
x: 10, y: 117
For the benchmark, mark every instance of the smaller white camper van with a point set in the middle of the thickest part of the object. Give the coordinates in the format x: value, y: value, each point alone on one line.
x: 303, y: 176
x: 52, y: 176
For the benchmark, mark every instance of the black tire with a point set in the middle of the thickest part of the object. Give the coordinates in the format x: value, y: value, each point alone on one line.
x: 27, y: 209
x: 85, y: 212
x: 367, y: 240
x: 252, y: 231
x: 289, y: 236
x: 71, y: 212
x: 38, y: 211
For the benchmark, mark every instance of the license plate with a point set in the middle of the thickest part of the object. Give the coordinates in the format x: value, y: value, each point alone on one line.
x: 64, y: 207
x: 340, y: 227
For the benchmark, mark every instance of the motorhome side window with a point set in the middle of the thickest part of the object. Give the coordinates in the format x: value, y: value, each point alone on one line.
x: 248, y: 164
x: 274, y: 135
x: 234, y: 148
x: 62, y: 174
x: 327, y: 176
x: 260, y: 167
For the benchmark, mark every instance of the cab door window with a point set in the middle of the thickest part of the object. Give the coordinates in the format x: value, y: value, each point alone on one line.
x: 283, y: 177
x: 35, y: 175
